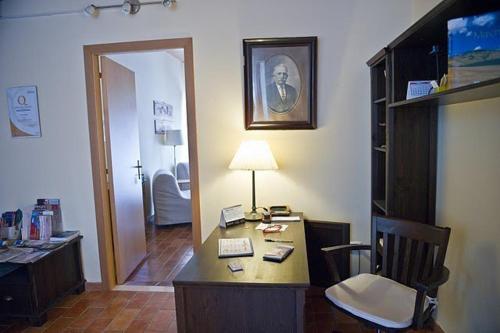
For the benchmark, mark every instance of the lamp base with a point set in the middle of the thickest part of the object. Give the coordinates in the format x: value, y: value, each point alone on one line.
x: 253, y: 216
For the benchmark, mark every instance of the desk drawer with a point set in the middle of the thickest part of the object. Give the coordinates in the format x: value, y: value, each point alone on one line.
x: 15, y: 300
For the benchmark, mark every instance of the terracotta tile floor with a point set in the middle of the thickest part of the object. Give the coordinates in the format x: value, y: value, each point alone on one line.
x: 124, y: 311
x: 115, y: 311
x: 169, y: 248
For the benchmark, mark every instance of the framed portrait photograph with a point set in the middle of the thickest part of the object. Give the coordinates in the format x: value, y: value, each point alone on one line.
x: 163, y: 110
x: 280, y: 83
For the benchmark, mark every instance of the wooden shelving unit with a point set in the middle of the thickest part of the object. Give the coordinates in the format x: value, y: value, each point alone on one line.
x: 380, y: 100
x: 404, y: 173
x: 379, y: 88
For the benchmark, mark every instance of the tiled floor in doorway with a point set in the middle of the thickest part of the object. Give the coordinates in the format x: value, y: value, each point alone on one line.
x: 169, y: 248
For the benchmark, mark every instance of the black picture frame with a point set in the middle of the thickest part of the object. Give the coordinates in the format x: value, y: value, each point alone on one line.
x: 280, y: 83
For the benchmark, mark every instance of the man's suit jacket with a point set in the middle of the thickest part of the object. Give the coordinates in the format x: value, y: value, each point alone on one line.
x: 274, y: 100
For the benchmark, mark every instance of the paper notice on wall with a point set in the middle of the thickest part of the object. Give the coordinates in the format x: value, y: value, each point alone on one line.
x: 23, y: 111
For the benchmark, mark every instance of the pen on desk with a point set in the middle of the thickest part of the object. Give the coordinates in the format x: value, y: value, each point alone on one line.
x: 278, y: 240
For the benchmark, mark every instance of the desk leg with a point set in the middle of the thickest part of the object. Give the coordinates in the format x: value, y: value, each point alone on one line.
x: 38, y: 320
x: 300, y: 297
x: 179, y: 309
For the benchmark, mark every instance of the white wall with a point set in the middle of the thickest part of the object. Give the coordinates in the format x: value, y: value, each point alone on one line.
x: 468, y: 197
x: 323, y: 172
x: 158, y: 76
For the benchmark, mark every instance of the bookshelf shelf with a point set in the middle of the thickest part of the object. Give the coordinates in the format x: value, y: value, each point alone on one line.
x: 381, y: 149
x: 469, y: 93
x: 380, y: 100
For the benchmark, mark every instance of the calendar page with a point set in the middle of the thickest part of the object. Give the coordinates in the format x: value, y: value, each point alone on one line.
x: 418, y: 89
x: 235, y: 247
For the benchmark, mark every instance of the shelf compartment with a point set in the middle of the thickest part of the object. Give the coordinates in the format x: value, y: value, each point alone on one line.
x: 468, y: 93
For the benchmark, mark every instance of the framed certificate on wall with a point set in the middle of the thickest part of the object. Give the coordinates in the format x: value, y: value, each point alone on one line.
x: 23, y: 111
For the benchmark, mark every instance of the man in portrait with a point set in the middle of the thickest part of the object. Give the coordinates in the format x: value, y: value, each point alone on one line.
x: 281, y: 97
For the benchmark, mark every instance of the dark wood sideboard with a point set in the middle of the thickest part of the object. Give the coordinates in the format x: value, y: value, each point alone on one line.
x: 30, y: 290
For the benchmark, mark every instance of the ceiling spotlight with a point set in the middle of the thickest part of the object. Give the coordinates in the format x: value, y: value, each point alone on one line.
x: 91, y: 10
x: 168, y: 3
x: 131, y: 6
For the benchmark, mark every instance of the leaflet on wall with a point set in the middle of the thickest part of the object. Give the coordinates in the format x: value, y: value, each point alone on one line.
x: 23, y: 111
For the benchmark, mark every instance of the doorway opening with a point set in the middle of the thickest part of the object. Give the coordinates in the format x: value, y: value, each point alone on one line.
x: 146, y: 243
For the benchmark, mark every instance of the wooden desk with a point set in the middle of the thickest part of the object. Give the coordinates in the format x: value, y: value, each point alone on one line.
x: 265, y: 297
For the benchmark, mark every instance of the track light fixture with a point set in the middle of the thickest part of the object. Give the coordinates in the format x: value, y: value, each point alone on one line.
x: 91, y: 10
x: 168, y: 3
x: 129, y: 7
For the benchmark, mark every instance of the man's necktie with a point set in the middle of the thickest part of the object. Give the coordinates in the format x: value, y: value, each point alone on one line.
x: 282, y: 92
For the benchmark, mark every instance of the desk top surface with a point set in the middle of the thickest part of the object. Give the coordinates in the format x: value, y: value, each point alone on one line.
x: 206, y: 268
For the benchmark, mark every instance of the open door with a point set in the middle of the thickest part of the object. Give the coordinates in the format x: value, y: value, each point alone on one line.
x: 123, y: 165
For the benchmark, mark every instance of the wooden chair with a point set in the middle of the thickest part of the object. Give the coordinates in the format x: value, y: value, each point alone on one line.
x: 406, y: 269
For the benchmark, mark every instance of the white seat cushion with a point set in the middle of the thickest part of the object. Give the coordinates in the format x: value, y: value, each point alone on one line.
x: 377, y: 299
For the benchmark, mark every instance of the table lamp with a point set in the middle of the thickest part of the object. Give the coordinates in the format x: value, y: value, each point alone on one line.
x: 253, y: 155
x: 173, y: 138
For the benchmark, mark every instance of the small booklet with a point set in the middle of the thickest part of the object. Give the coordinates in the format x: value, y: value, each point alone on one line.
x: 28, y: 257
x: 65, y: 236
x: 285, y: 218
x: 235, y: 266
x: 235, y: 247
x: 8, y: 254
x: 278, y: 253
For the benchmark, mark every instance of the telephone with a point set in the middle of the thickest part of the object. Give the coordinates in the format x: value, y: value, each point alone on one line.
x: 282, y: 210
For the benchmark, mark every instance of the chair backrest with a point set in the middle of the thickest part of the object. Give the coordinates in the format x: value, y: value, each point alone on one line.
x: 407, y: 251
x: 182, y: 170
x: 165, y: 182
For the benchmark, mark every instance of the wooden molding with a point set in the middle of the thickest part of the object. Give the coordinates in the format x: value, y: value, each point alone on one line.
x: 93, y: 286
x: 97, y: 147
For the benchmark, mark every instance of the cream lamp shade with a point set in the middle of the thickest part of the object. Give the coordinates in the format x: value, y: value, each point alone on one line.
x: 173, y: 137
x: 253, y: 155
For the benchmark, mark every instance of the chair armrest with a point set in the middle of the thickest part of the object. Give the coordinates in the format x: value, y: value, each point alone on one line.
x: 350, y: 247
x: 328, y: 253
x: 423, y: 288
x: 434, y: 281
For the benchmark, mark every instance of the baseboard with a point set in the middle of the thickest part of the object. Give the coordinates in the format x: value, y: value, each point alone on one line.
x: 93, y: 286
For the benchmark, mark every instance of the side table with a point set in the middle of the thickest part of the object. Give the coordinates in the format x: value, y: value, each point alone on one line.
x: 30, y: 290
